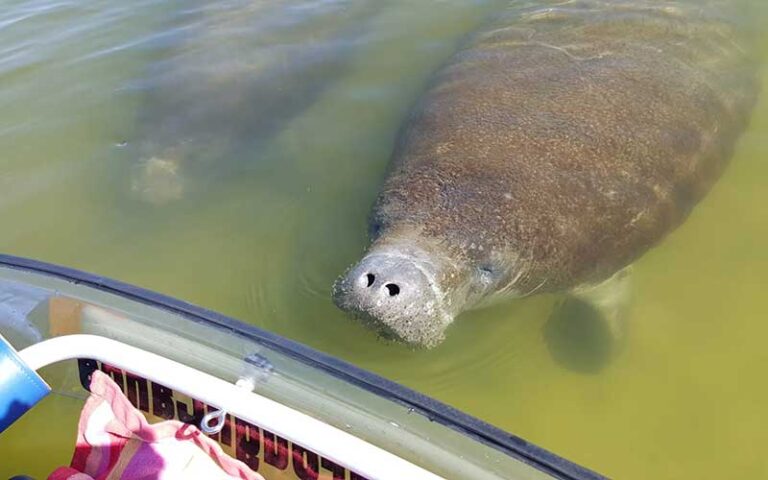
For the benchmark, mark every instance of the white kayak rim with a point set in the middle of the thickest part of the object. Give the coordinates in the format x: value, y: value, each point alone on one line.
x: 333, y: 443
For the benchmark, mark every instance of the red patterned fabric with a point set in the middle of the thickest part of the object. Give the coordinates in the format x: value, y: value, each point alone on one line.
x: 115, y: 442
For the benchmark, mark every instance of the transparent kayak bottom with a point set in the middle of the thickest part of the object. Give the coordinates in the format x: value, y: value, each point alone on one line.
x: 287, y: 411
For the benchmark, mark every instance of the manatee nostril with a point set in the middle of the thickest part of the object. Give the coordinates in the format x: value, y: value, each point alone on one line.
x: 392, y: 289
x: 369, y: 278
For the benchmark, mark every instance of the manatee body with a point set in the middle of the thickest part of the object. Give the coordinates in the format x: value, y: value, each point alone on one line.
x: 554, y: 150
x: 230, y: 80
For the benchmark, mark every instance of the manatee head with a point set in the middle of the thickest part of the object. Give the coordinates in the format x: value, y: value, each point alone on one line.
x: 156, y: 176
x: 410, y: 287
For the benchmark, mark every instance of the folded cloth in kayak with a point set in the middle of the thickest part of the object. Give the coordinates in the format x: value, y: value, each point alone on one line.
x: 115, y: 441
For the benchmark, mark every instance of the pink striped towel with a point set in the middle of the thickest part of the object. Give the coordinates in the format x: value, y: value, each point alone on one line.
x: 115, y: 442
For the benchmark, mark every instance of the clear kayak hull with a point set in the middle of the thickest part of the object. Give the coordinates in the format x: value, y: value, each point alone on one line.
x: 373, y: 417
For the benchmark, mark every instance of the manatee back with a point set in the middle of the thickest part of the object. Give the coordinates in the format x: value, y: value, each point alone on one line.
x: 568, y: 138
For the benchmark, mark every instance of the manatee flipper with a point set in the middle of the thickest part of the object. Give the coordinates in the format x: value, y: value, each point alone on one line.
x: 588, y: 327
x: 612, y: 299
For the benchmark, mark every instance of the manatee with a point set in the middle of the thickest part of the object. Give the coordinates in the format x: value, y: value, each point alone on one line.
x: 230, y: 78
x: 554, y: 149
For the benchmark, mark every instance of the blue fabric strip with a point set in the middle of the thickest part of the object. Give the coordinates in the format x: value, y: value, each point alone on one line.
x: 20, y: 386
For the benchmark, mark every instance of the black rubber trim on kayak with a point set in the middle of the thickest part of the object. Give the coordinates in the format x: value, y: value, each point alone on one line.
x: 436, y: 411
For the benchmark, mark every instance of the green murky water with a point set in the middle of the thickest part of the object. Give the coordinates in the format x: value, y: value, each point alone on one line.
x: 261, y: 231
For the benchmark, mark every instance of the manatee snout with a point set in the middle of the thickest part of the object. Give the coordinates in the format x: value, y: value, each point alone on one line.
x: 396, y: 293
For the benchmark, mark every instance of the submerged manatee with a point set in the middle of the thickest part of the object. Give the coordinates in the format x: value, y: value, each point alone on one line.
x: 548, y: 155
x: 235, y: 73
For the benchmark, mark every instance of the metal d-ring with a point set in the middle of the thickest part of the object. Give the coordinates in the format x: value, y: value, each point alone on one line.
x: 217, y: 416
x: 220, y: 416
